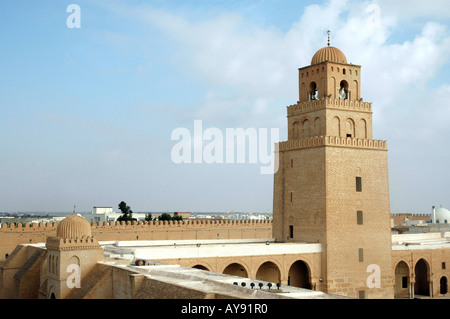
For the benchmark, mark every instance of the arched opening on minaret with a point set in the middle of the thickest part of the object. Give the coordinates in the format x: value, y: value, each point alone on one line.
x: 362, y: 128
x: 336, y: 127
x: 313, y: 92
x: 306, y: 129
x: 296, y: 130
x: 317, y: 127
x: 349, y: 128
x: 343, y: 90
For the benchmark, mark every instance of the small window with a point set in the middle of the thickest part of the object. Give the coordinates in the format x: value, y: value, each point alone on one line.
x: 443, y: 265
x: 359, y: 217
x: 349, y: 135
x: 361, y: 254
x: 404, y: 282
x: 292, y: 163
x: 362, y: 294
x: 291, y: 231
x: 358, y: 184
x: 291, y: 197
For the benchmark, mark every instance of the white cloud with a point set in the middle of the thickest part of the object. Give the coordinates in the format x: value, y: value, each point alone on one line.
x: 412, y: 9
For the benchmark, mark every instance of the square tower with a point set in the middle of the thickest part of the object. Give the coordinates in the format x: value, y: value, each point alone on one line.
x: 332, y: 183
x: 71, y: 254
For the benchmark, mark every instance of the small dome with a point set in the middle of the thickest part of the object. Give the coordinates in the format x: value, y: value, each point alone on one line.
x: 442, y: 215
x: 73, y: 226
x: 330, y: 54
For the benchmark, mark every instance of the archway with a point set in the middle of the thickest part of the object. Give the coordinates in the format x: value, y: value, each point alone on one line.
x: 201, y: 267
x: 443, y: 285
x: 336, y: 127
x: 299, y: 275
x: 343, y: 90
x: 421, y: 286
x: 51, y: 293
x: 296, y: 130
x: 268, y: 271
x: 349, y: 128
x: 401, y: 288
x: 362, y: 129
x: 306, y: 129
x: 313, y: 92
x: 235, y: 269
x: 317, y: 127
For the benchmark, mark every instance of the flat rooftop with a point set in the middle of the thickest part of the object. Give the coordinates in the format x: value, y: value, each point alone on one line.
x: 220, y: 284
x: 168, y: 249
x: 420, y: 241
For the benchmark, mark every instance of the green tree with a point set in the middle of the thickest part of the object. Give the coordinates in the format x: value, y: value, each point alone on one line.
x: 148, y: 217
x: 178, y: 217
x: 127, y: 213
x: 166, y: 216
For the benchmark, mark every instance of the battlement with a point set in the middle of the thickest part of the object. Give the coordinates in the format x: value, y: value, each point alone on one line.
x: 411, y: 214
x: 72, y: 243
x: 319, y: 141
x: 101, y: 226
x: 330, y: 103
x: 27, y: 227
x: 18, y: 233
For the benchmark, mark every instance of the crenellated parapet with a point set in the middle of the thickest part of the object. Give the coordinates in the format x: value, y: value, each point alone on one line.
x: 28, y: 227
x: 115, y: 226
x: 319, y: 141
x: 329, y: 103
x: 83, y: 243
x: 191, y: 224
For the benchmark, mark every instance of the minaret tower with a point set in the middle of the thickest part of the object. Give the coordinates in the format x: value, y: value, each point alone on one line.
x: 332, y: 183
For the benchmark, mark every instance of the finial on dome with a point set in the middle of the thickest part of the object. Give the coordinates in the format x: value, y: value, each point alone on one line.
x: 73, y: 210
x: 329, y: 32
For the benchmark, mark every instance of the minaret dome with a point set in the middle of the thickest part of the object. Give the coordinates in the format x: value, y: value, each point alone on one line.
x: 329, y: 54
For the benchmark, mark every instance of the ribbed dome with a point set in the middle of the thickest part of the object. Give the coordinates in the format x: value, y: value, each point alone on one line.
x: 330, y: 54
x: 73, y: 226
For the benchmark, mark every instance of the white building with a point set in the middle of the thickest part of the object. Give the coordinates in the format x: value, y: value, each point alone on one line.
x: 440, y: 216
x: 107, y: 214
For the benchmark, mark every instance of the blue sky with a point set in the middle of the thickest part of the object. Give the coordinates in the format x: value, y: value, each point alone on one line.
x: 87, y: 114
